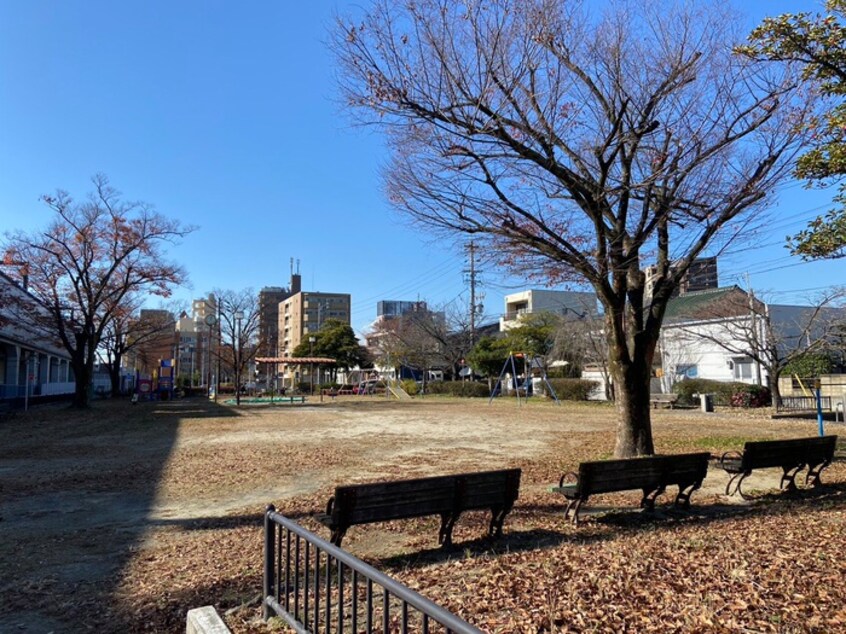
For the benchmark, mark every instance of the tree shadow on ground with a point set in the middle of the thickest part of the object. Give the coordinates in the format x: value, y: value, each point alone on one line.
x: 79, y: 487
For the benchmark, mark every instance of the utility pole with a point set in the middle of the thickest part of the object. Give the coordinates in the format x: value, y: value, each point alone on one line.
x: 471, y: 273
x: 756, y: 344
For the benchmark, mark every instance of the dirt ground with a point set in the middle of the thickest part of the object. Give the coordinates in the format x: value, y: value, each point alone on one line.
x: 124, y: 517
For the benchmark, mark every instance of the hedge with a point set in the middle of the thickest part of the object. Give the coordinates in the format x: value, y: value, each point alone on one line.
x: 573, y: 389
x: 458, y: 388
x: 725, y: 393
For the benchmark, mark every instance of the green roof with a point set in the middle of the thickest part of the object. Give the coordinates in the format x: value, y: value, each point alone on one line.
x: 711, y: 303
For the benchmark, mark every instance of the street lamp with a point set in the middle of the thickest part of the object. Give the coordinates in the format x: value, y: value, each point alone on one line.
x: 237, y: 350
x: 311, y: 341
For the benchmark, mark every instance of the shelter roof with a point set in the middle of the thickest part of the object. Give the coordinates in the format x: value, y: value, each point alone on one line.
x: 298, y: 360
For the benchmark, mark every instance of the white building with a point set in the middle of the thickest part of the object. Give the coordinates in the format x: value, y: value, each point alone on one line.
x: 32, y: 363
x: 534, y: 301
x: 718, y: 334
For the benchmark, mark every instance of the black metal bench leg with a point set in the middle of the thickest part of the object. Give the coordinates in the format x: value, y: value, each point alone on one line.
x: 574, y: 506
x: 338, y: 535
x: 813, y: 476
x: 685, y: 491
x: 788, y: 479
x: 447, y: 524
x: 497, y: 519
x: 736, y: 480
x: 649, y: 497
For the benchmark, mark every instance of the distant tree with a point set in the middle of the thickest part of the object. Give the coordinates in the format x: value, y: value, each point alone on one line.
x: 578, y: 147
x: 238, y: 312
x: 818, y: 42
x: 810, y: 365
x: 488, y: 357
x: 336, y: 340
x: 417, y: 339
x: 87, y: 264
x: 535, y: 334
x: 129, y: 331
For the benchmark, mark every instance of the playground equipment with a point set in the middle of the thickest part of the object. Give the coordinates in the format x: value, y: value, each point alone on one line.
x: 530, y: 364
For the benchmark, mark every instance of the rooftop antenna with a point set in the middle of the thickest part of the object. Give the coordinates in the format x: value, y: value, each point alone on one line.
x: 292, y: 266
x: 298, y: 266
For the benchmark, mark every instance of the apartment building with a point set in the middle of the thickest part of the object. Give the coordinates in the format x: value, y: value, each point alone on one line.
x: 305, y: 313
x: 533, y: 301
x: 270, y: 297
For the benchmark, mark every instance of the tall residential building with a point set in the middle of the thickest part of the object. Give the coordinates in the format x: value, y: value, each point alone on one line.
x: 387, y: 308
x: 305, y: 312
x: 701, y: 276
x: 269, y: 299
x: 204, y: 306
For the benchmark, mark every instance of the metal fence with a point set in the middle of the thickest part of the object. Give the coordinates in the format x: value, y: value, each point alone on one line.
x: 315, y: 586
x: 804, y: 403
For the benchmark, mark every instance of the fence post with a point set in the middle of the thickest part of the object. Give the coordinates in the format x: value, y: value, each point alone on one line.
x: 269, y: 559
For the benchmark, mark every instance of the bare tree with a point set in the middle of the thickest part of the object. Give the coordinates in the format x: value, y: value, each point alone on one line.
x: 131, y: 330
x: 238, y: 312
x: 418, y: 339
x: 576, y: 146
x: 88, y: 262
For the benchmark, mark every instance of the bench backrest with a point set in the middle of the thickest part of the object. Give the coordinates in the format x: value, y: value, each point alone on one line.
x: 648, y: 472
x: 381, y: 501
x: 763, y: 454
x: 686, y: 467
x: 603, y: 476
x: 664, y: 397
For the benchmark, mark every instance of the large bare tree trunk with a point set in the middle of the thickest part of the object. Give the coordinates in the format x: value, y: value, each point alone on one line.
x: 634, y: 426
x: 82, y: 391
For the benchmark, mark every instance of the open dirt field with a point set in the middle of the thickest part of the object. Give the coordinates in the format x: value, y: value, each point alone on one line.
x: 122, y: 518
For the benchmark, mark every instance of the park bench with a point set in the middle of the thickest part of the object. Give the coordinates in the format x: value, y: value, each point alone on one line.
x: 791, y: 455
x: 289, y: 399
x: 651, y: 474
x: 663, y: 399
x: 447, y: 496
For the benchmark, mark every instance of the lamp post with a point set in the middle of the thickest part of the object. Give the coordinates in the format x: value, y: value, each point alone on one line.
x: 237, y: 349
x: 311, y: 341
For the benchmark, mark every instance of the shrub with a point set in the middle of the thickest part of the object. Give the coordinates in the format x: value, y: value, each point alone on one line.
x: 459, y: 388
x: 751, y: 396
x: 725, y: 393
x: 722, y: 391
x: 410, y: 386
x: 573, y: 389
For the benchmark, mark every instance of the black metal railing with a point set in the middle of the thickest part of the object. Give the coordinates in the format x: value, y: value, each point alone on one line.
x: 315, y: 586
x: 800, y: 403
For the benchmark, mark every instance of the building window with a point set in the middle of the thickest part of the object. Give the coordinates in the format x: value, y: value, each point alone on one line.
x: 742, y: 368
x: 690, y: 370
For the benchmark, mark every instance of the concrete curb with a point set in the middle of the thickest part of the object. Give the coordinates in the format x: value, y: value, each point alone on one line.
x: 205, y: 620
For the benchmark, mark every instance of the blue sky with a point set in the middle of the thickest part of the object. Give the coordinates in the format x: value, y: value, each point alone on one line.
x: 226, y: 115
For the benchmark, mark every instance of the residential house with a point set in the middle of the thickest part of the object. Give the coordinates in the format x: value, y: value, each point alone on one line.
x: 724, y: 334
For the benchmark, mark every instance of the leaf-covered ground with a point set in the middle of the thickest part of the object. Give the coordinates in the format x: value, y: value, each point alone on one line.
x: 123, y: 518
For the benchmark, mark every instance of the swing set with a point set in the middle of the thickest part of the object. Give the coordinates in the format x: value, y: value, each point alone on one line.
x: 511, y: 363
